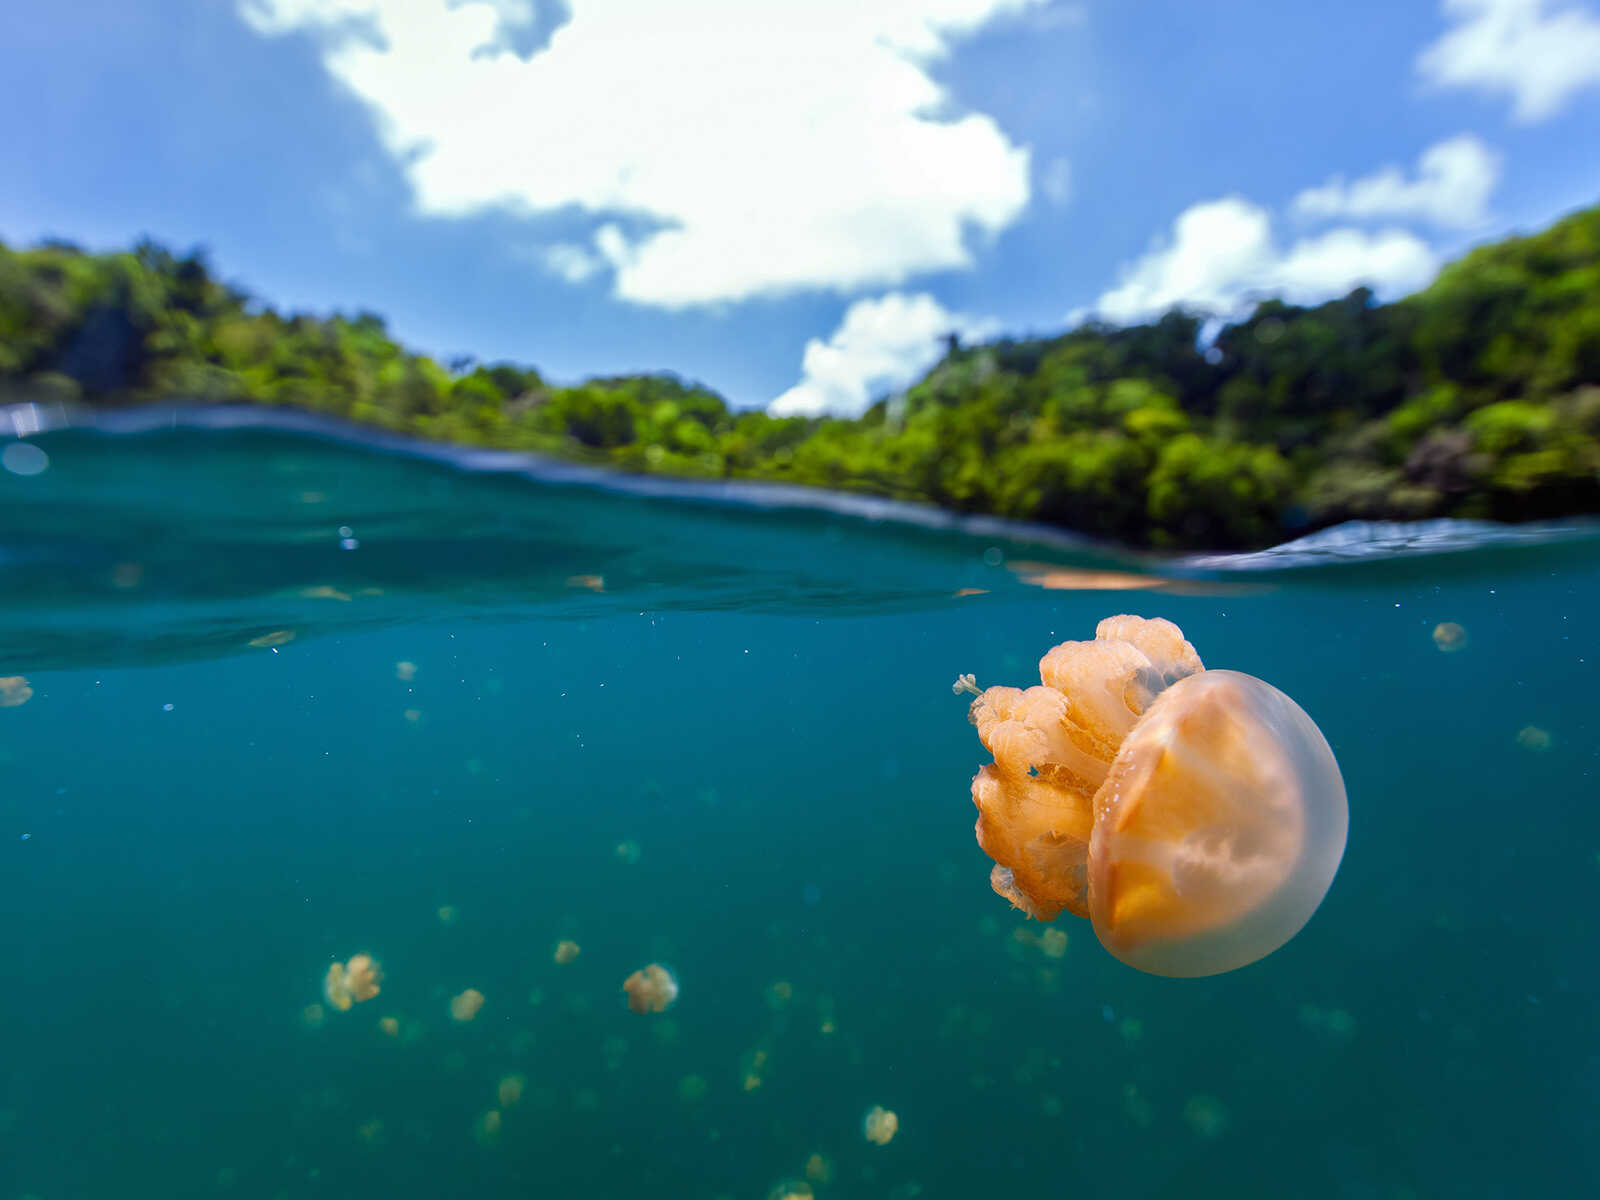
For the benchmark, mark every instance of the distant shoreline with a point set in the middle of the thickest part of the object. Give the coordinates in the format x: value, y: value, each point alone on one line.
x: 1476, y: 399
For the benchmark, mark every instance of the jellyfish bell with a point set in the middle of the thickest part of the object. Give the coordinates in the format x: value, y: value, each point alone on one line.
x: 651, y: 989
x: 1195, y: 817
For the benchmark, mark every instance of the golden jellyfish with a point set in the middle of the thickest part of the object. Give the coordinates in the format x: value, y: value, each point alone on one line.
x: 1450, y: 637
x: 14, y: 691
x: 880, y: 1125
x: 1196, y: 817
x: 465, y: 1006
x: 352, y: 982
x: 566, y: 950
x: 651, y: 989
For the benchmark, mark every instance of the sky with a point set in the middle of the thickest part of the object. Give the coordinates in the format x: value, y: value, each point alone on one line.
x: 792, y: 202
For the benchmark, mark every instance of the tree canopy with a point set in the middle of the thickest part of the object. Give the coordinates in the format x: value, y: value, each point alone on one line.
x: 1477, y: 397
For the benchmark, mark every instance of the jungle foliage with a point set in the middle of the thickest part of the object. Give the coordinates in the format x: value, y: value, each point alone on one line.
x: 1477, y: 397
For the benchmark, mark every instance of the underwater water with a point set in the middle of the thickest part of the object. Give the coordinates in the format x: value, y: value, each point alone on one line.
x: 289, y: 699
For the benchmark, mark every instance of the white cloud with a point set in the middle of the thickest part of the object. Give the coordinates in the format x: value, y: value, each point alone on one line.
x: 569, y: 261
x: 1540, y: 58
x: 1222, y: 256
x: 1451, y: 188
x: 881, y: 343
x: 738, y: 148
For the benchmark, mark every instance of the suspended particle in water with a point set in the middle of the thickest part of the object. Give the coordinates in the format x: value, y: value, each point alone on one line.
x: 465, y: 1006
x: 14, y: 691
x: 1450, y: 637
x: 880, y: 1125
x: 352, y: 982
x: 651, y: 989
x: 566, y: 950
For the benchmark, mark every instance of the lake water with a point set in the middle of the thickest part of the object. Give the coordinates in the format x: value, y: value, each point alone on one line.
x: 295, y: 698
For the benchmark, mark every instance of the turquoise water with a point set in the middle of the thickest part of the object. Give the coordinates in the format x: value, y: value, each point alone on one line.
x: 680, y: 727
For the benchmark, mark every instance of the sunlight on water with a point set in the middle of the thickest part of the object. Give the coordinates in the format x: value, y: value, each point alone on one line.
x: 352, y: 798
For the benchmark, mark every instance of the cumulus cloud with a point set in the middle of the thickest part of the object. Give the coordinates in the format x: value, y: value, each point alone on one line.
x: 1451, y: 188
x: 733, y: 149
x: 1222, y: 255
x: 1538, y: 53
x: 880, y: 344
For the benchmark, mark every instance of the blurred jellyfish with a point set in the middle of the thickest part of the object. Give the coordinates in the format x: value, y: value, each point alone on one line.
x: 692, y: 1088
x: 1529, y: 737
x: 628, y: 852
x: 651, y: 989
x: 486, y: 1129
x: 509, y: 1090
x: 14, y: 691
x: 447, y: 914
x: 352, y: 982
x: 1196, y: 817
x: 779, y: 994
x: 127, y: 575
x: 791, y: 1189
x: 413, y: 715
x: 279, y: 637
x: 313, y: 1015
x: 1053, y: 942
x: 465, y: 1006
x: 819, y: 1169
x: 1205, y: 1116
x: 752, y: 1070
x: 324, y: 592
x: 389, y: 1026
x: 405, y: 672
x: 371, y: 1132
x: 566, y: 950
x: 594, y: 583
x: 1450, y: 637
x: 880, y: 1125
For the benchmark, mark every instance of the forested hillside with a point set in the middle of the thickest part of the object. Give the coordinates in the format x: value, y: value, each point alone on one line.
x: 1479, y: 396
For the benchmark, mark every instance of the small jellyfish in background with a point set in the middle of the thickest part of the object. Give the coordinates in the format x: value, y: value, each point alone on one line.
x: 352, y: 982
x: 566, y: 950
x: 1450, y: 637
x: 651, y: 989
x: 1531, y: 737
x: 389, y: 1026
x: 627, y: 852
x: 880, y: 1125
x: 14, y: 691
x: 405, y: 672
x: 465, y: 1006
x: 509, y: 1090
x: 1196, y: 817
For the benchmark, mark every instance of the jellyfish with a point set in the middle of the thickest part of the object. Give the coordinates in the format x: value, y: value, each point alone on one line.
x: 465, y: 1006
x: 1195, y: 817
x: 566, y: 950
x: 352, y: 982
x: 1449, y: 637
x: 651, y: 989
x: 880, y: 1125
x: 14, y: 691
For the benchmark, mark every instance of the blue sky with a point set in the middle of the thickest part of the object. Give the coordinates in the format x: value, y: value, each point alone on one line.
x: 790, y: 201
